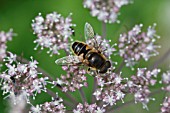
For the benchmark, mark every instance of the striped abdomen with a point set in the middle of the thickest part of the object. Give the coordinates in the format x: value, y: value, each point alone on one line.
x: 80, y: 48
x: 92, y: 57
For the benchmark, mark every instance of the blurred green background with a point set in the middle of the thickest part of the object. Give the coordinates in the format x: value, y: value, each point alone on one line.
x: 18, y: 14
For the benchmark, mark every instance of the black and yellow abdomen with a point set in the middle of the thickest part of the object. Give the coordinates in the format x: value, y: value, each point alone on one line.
x: 80, y: 48
x: 91, y: 56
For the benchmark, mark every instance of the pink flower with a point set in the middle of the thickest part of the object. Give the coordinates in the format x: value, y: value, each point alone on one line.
x: 53, y: 32
x: 106, y: 11
x: 4, y: 37
x: 136, y: 45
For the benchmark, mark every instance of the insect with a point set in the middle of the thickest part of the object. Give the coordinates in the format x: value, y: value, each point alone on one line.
x: 87, y: 54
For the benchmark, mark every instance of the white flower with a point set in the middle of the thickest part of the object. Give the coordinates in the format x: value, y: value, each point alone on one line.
x: 32, y: 64
x: 53, y: 17
x: 118, y: 80
x: 120, y: 3
x: 60, y: 82
x: 39, y: 19
x: 36, y: 109
x: 166, y: 77
x: 32, y: 73
x: 37, y: 86
x: 120, y: 95
x: 22, y: 68
x: 97, y: 93
x: 109, y: 99
x: 11, y: 69
x: 99, y: 110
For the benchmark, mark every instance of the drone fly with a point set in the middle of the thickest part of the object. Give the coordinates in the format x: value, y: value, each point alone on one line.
x: 87, y: 54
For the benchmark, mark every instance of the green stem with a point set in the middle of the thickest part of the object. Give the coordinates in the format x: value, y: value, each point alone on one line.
x: 64, y: 101
x: 94, y: 89
x: 160, y: 60
x: 103, y: 30
x: 118, y: 70
x: 82, y: 94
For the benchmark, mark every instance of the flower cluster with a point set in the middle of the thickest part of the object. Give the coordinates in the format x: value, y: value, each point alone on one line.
x: 55, y: 106
x: 86, y: 108
x: 105, y: 10
x: 111, y: 89
x: 166, y: 105
x: 4, y: 37
x: 21, y: 81
x: 136, y: 44
x: 102, y: 45
x: 74, y: 79
x: 53, y: 32
x: 166, y: 80
x: 139, y: 85
x: 21, y: 78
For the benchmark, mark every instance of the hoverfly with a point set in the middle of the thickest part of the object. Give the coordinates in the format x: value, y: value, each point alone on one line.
x: 88, y: 54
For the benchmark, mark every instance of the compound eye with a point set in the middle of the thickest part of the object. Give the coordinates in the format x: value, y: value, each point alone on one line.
x: 108, y: 64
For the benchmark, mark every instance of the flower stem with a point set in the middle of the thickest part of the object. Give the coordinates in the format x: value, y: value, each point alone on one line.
x: 118, y: 70
x: 94, y: 89
x: 82, y: 94
x: 64, y: 101
x: 160, y: 60
x: 103, y: 30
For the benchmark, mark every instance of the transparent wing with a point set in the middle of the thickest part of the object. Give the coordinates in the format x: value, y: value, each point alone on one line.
x: 88, y: 31
x: 68, y: 60
x: 89, y: 36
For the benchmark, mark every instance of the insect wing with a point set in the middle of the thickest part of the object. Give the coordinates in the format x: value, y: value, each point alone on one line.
x: 89, y: 36
x: 68, y: 60
x: 88, y: 31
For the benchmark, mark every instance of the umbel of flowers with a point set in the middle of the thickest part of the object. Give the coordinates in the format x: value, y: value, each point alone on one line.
x: 20, y: 81
x: 166, y: 81
x: 53, y: 32
x: 4, y: 37
x: 114, y: 88
x: 74, y: 79
x: 105, y: 10
x: 136, y: 44
x: 166, y: 105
